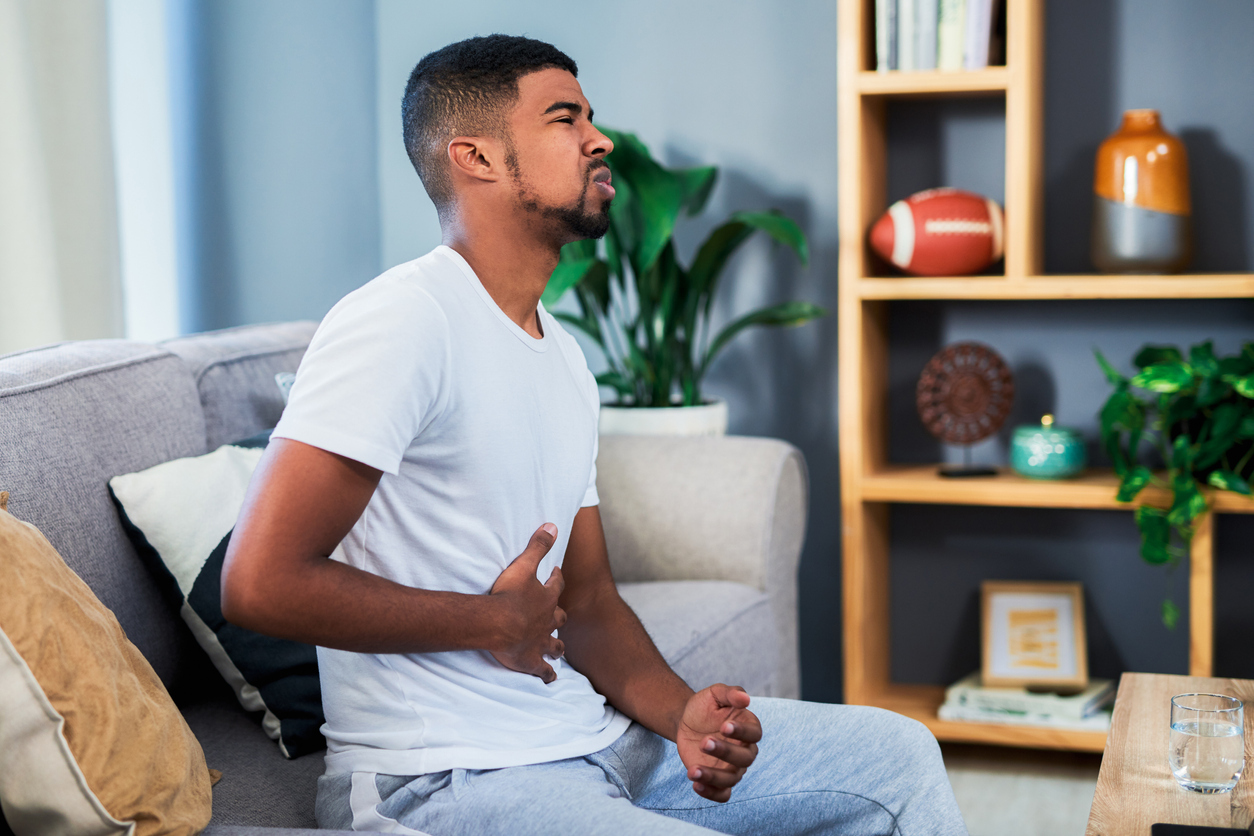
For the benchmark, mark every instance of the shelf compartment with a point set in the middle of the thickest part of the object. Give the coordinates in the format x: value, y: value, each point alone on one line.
x: 1184, y: 286
x: 920, y: 702
x: 929, y: 83
x: 1095, y: 489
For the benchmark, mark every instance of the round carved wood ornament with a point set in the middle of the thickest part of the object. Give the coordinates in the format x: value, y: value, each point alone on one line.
x: 965, y: 393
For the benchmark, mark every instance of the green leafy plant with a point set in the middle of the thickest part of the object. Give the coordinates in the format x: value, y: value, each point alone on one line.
x: 1197, y: 413
x: 648, y: 313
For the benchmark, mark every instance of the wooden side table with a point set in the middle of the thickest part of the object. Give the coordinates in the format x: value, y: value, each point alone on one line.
x: 1135, y: 787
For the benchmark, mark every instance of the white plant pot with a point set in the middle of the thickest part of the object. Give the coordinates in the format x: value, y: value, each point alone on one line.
x: 707, y: 419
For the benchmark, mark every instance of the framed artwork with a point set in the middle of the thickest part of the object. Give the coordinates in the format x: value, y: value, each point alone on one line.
x: 1033, y: 635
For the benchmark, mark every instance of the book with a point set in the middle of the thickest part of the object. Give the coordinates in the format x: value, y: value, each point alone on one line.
x: 977, y: 35
x: 949, y: 34
x: 885, y: 35
x: 997, y: 40
x: 968, y: 693
x: 907, y: 48
x: 1095, y: 722
x: 925, y: 33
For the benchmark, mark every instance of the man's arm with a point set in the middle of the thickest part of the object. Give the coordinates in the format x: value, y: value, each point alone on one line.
x: 278, y: 578
x: 716, y: 736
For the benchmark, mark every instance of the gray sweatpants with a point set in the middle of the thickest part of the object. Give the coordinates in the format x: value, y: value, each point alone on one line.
x: 821, y: 769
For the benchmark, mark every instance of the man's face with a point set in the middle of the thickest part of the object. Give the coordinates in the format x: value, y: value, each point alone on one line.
x: 557, y: 162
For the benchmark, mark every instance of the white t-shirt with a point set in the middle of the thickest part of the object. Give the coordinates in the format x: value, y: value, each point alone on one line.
x: 483, y: 433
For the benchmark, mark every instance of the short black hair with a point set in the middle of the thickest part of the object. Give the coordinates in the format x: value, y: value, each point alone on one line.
x: 464, y: 90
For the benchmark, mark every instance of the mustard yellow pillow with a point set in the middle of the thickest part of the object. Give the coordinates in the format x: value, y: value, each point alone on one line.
x: 90, y: 742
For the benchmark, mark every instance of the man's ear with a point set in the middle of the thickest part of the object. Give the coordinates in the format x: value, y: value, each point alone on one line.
x: 477, y: 157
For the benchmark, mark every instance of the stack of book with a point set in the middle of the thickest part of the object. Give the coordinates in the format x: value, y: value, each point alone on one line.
x: 939, y: 34
x: 967, y: 700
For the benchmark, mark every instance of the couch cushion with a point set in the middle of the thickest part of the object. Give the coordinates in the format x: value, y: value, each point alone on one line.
x: 73, y: 416
x: 259, y: 786
x: 710, y: 631
x: 234, y: 371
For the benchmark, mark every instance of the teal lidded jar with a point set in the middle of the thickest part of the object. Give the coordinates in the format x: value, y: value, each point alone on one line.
x: 1047, y: 452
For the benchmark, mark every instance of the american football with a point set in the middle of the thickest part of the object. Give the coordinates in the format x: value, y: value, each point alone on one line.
x: 940, y: 232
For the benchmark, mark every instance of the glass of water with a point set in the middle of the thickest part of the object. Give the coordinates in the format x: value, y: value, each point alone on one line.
x: 1207, y: 741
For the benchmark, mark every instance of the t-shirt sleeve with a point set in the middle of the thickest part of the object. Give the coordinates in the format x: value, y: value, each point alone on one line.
x: 373, y: 377
x: 590, y: 496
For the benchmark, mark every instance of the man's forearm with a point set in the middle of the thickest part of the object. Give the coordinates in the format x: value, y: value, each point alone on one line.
x: 606, y: 642
x: 277, y: 578
x: 384, y: 616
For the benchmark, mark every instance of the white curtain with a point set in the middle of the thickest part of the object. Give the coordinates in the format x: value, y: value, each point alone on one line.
x: 59, y: 264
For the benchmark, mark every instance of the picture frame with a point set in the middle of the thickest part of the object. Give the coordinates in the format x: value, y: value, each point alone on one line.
x: 1033, y: 635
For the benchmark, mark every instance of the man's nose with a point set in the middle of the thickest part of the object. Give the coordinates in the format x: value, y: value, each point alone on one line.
x: 601, y: 145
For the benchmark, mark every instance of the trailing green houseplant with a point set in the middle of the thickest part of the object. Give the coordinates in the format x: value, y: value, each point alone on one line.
x: 647, y: 312
x: 1197, y: 413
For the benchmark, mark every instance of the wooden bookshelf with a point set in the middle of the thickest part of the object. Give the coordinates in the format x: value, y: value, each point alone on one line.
x: 1196, y: 286
x: 870, y: 485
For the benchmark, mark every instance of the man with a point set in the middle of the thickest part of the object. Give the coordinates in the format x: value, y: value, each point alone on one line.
x: 427, y: 515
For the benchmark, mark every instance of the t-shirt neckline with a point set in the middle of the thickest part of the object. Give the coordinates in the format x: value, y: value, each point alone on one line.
x: 541, y: 344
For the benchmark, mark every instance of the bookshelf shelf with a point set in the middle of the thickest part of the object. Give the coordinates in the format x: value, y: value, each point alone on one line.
x: 1093, y: 490
x: 930, y: 83
x: 870, y: 485
x: 921, y: 702
x: 1194, y: 286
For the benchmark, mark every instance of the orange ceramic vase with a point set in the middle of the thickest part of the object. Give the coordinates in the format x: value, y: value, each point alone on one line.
x: 1141, y: 211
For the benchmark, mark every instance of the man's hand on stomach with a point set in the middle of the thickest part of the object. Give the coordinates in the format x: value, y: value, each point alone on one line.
x: 532, y: 606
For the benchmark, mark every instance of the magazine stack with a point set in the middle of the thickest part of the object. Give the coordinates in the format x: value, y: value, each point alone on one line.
x: 1087, y: 710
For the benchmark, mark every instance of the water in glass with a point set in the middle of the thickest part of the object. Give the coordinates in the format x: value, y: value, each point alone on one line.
x: 1207, y: 751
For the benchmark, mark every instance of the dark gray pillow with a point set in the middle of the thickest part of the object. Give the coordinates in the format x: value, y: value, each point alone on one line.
x: 180, y: 516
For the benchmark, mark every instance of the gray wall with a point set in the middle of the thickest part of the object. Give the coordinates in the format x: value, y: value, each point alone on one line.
x: 751, y: 87
x: 276, y: 171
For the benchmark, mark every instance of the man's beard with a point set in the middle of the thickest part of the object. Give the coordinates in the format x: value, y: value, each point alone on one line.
x: 578, y: 221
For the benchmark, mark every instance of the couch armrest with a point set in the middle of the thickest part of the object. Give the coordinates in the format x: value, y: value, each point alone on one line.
x: 726, y: 508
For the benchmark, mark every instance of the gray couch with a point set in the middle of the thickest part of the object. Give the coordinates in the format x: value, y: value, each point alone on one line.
x: 704, y: 534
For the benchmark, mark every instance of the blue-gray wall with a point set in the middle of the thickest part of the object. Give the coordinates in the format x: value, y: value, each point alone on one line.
x: 751, y: 86
x: 276, y: 174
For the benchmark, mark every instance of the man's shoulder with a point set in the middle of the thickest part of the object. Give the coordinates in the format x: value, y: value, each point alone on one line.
x: 401, y: 292
x: 418, y: 279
